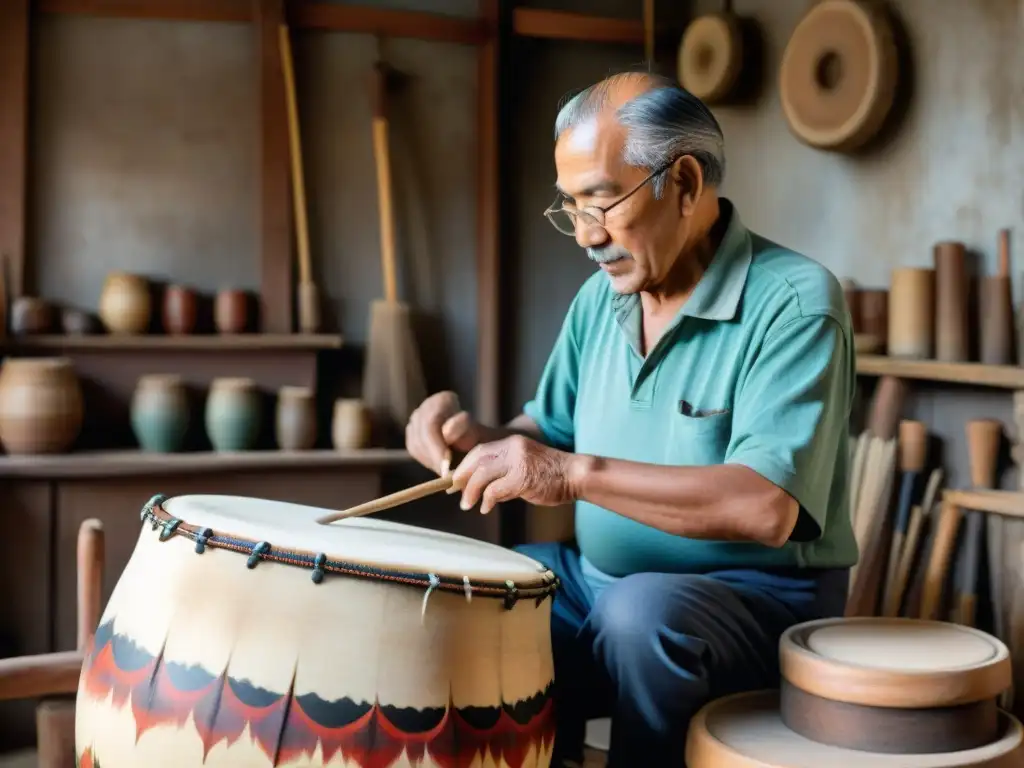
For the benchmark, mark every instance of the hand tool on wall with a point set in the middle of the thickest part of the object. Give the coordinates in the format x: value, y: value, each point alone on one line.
x: 913, y: 448
x: 919, y: 519
x: 307, y: 297
x: 393, y: 380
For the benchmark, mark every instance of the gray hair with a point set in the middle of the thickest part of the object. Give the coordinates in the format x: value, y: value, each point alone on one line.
x: 663, y: 124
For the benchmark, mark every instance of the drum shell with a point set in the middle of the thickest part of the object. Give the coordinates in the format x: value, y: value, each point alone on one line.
x: 880, y: 708
x: 191, y: 638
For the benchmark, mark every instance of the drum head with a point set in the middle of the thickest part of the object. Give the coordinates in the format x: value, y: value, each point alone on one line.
x: 838, y: 75
x: 711, y: 56
x: 894, y: 662
x: 746, y: 731
x: 363, y: 540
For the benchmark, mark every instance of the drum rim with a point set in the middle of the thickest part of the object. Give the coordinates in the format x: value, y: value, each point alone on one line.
x: 704, y: 748
x: 858, y: 684
x: 320, y: 565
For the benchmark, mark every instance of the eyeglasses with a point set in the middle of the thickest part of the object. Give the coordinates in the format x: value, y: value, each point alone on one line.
x: 565, y: 216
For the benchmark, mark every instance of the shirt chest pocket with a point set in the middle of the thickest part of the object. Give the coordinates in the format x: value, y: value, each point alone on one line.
x: 700, y: 440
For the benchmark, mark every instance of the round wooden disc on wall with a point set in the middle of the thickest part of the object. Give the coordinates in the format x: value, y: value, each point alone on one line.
x: 711, y: 56
x: 838, y: 76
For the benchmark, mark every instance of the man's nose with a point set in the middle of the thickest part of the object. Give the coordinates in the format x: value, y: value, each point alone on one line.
x: 590, y: 234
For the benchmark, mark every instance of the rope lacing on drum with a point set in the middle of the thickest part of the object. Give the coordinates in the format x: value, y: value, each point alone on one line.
x: 169, y: 528
x: 511, y: 594
x: 435, y: 582
x: 201, y: 538
x: 467, y: 589
x: 318, y: 568
x: 147, y: 509
x: 257, y: 553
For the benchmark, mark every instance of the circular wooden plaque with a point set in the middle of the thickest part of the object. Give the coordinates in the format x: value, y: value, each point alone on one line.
x: 711, y: 56
x: 900, y: 663
x: 746, y: 731
x: 838, y: 75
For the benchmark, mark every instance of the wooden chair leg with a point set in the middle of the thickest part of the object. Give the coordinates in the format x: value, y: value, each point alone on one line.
x: 55, y: 733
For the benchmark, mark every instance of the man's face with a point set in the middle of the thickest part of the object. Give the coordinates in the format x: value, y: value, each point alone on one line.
x: 642, y: 237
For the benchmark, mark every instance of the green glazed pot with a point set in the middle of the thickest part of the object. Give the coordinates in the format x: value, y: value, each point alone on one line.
x: 160, y: 413
x: 233, y: 414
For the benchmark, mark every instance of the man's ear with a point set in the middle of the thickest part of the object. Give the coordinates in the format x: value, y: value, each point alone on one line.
x: 686, y: 173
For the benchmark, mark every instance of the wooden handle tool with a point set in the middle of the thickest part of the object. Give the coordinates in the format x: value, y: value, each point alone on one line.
x: 308, y: 298
x: 919, y: 515
x: 382, y: 158
x: 913, y: 449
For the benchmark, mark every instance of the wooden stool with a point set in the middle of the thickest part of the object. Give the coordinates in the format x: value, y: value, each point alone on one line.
x: 53, y: 677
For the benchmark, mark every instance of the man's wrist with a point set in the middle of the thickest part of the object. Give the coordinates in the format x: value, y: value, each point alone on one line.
x: 579, y: 471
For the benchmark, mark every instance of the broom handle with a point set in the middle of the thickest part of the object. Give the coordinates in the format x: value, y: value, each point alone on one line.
x: 295, y: 140
x: 383, y: 161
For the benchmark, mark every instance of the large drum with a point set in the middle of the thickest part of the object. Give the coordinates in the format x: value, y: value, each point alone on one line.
x: 893, y: 685
x: 243, y: 633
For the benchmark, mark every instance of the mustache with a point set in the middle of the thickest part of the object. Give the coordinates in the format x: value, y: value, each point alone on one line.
x: 608, y: 254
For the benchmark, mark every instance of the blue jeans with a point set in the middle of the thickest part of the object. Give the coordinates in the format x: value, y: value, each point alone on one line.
x: 650, y: 649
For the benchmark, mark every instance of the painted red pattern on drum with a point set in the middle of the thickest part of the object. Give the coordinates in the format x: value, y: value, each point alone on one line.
x: 287, y: 727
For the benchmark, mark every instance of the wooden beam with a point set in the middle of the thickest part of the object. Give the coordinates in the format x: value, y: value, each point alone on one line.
x: 173, y: 10
x: 336, y: 17
x: 275, y: 214
x: 488, y: 402
x: 968, y: 374
x: 14, y: 41
x: 559, y: 25
x: 46, y: 674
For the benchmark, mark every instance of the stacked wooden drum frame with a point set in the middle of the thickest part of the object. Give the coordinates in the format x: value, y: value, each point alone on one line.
x: 870, y: 692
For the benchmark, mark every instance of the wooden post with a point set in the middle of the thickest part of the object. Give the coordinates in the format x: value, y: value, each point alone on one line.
x: 14, y: 41
x: 488, y: 405
x: 275, y: 216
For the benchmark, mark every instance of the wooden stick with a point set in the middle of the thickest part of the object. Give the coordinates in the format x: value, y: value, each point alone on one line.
x: 295, y: 140
x: 1005, y: 503
x: 649, y: 32
x: 90, y: 579
x: 391, y: 500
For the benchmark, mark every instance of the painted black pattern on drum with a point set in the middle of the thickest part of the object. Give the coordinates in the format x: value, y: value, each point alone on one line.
x: 287, y: 726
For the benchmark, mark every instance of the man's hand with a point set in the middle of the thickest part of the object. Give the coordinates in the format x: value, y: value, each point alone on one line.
x: 437, y: 425
x: 514, y: 467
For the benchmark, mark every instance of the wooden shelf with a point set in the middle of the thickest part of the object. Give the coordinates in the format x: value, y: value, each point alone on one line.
x: 94, y: 464
x: 301, y: 14
x: 193, y: 343
x: 560, y: 25
x: 970, y: 374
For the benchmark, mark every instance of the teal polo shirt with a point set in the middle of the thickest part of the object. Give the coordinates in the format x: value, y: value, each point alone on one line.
x: 756, y: 369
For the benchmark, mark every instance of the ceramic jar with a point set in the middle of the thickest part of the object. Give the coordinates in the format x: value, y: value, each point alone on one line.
x: 31, y: 315
x: 295, y: 419
x: 160, y: 413
x: 75, y: 322
x: 180, y: 310
x: 125, y: 303
x: 350, y: 425
x: 40, y: 405
x: 233, y: 414
x: 231, y: 311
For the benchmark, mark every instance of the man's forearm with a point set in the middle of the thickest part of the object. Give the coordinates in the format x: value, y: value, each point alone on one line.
x: 721, y: 502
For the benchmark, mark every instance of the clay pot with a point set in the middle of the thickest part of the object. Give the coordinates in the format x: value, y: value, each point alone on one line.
x: 350, y: 426
x: 295, y: 421
x: 180, y: 310
x: 75, y: 322
x: 31, y: 315
x: 40, y: 405
x: 160, y: 413
x: 231, y: 311
x: 233, y: 414
x: 125, y: 303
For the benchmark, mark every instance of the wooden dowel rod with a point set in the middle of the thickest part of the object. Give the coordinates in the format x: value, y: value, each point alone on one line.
x: 391, y: 500
x: 90, y: 579
x: 1005, y: 503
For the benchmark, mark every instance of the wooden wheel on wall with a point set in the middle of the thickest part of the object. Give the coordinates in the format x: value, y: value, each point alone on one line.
x: 839, y: 72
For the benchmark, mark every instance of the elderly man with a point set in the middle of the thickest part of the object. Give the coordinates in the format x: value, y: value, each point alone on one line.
x: 694, y: 408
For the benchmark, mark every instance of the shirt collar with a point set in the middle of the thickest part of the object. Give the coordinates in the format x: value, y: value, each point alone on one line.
x: 717, y: 294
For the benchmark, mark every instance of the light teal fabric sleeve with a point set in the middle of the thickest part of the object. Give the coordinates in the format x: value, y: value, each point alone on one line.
x: 790, y: 421
x: 554, y: 404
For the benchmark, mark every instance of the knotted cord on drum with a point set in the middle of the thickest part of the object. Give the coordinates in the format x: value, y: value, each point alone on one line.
x: 435, y: 581
x: 320, y: 564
